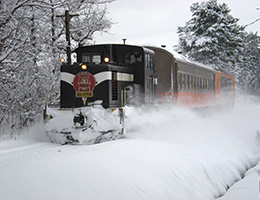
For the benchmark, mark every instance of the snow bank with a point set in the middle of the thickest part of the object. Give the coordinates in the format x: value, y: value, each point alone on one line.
x: 219, y: 147
x: 168, y: 153
x: 247, y: 188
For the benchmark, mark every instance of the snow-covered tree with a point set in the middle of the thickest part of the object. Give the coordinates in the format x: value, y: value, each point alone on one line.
x: 249, y: 64
x: 31, y: 43
x: 89, y: 20
x: 212, y: 36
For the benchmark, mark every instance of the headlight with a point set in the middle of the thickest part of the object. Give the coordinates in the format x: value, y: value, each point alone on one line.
x: 83, y: 67
x: 106, y: 59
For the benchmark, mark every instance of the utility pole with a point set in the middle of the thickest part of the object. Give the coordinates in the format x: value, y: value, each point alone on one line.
x: 67, y: 25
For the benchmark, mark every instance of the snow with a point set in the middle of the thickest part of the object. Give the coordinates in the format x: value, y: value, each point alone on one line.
x: 182, y: 58
x: 248, y: 188
x: 167, y: 153
x: 97, y: 118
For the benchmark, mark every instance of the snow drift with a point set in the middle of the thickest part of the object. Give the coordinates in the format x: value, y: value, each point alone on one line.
x: 168, y: 153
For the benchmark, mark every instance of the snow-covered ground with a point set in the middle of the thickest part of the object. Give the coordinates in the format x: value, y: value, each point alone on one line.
x: 168, y: 153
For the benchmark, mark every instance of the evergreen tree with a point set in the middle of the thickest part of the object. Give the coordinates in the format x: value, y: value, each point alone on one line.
x: 212, y: 36
x: 249, y: 64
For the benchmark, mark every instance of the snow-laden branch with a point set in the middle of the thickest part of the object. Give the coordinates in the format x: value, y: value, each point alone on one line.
x: 32, y: 41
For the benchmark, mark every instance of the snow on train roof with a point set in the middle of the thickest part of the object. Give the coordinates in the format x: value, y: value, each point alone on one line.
x: 184, y: 59
x: 180, y: 58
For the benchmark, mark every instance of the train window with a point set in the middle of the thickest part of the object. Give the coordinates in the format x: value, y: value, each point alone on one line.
x: 151, y: 62
x: 96, y: 59
x: 179, y: 80
x: 148, y: 61
x: 191, y: 82
x: 132, y: 57
x: 194, y: 83
x: 187, y: 82
x: 91, y: 58
x: 145, y: 61
x: 197, y: 82
x: 183, y: 81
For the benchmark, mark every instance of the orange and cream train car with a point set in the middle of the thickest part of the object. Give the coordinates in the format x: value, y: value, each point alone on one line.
x: 190, y: 84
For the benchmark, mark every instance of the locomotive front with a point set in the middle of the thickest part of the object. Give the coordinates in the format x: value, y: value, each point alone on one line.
x: 94, y: 79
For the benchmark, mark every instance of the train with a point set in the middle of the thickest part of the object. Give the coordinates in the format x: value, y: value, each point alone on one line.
x: 118, y: 75
x: 188, y: 83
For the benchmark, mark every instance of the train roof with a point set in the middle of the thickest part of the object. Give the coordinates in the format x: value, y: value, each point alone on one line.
x: 180, y: 58
x: 183, y: 59
x: 147, y: 50
x: 151, y: 49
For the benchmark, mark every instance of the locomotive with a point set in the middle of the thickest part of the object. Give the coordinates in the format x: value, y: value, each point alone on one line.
x: 110, y: 76
x: 113, y: 75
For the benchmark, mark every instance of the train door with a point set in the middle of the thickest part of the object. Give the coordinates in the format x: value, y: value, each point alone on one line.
x: 217, y: 83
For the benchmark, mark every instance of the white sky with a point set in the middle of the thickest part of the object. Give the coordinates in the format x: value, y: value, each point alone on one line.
x: 155, y: 22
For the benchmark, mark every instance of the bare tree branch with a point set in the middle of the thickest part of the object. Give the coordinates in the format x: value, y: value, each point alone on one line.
x: 252, y: 22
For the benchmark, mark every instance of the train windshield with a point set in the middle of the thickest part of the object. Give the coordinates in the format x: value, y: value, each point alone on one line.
x: 132, y: 57
x: 91, y: 57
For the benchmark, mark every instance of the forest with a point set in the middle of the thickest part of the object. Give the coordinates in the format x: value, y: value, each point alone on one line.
x: 32, y: 34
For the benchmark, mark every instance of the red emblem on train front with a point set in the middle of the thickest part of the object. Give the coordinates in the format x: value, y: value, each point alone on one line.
x: 84, y: 83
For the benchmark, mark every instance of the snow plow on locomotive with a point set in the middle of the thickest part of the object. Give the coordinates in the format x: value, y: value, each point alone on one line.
x: 105, y: 78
